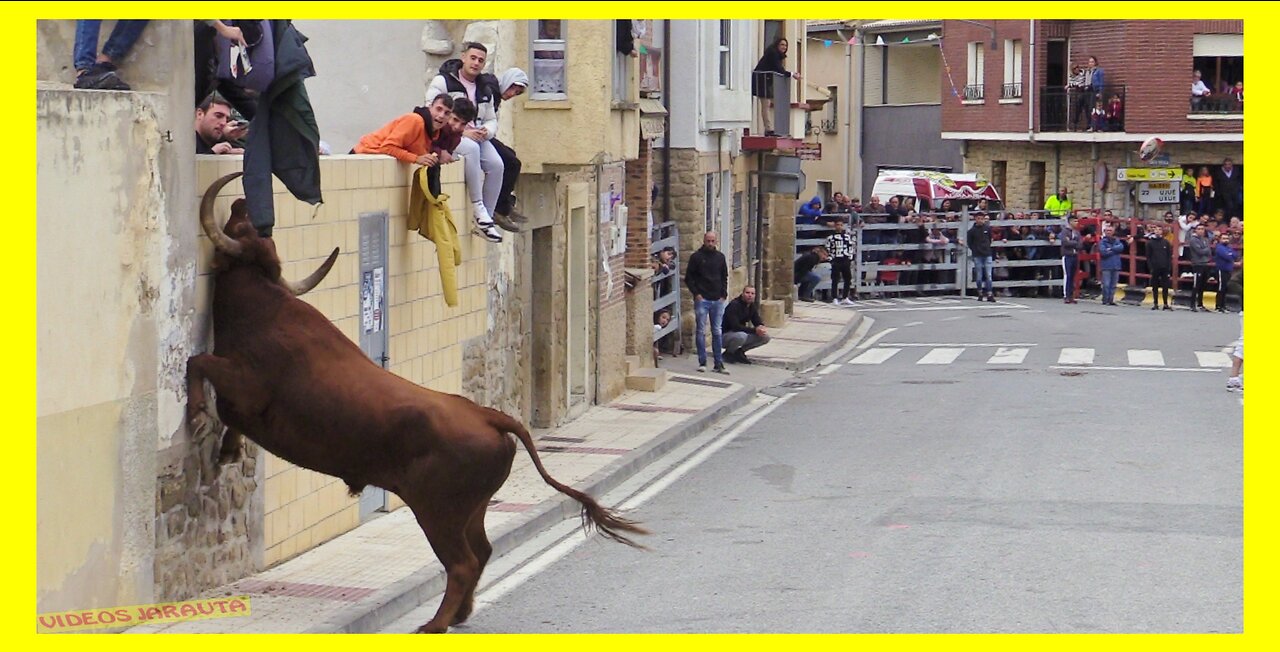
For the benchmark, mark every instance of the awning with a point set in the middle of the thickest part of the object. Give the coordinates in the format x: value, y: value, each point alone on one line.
x: 652, y: 118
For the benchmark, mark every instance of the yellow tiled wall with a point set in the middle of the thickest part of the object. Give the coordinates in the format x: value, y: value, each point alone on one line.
x: 303, y: 508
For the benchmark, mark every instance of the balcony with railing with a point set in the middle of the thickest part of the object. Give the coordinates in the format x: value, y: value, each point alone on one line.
x: 777, y: 135
x: 1063, y: 109
x: 1011, y: 91
x: 973, y: 93
x: 1217, y: 104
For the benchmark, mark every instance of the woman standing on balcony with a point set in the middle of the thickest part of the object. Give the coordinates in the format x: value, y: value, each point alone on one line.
x: 762, y: 79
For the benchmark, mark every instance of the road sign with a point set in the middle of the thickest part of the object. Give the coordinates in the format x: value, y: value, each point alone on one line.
x: 1158, y: 192
x: 1148, y: 174
x: 809, y: 152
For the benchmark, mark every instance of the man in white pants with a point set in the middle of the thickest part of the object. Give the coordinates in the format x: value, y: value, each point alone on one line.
x: 482, y: 166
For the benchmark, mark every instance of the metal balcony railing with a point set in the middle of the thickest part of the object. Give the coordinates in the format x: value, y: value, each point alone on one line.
x: 1011, y: 91
x: 973, y: 92
x: 778, y: 87
x: 1217, y: 104
x: 1064, y: 109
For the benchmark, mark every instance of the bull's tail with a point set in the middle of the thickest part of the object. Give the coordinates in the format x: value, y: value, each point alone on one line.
x: 607, y: 521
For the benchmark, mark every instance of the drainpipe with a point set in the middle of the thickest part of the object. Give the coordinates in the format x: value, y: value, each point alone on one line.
x: 859, y: 99
x: 846, y: 139
x: 666, y: 124
x: 1031, y: 89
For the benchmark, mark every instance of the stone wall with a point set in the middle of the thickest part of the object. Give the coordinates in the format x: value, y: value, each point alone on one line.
x: 688, y: 207
x: 779, y: 248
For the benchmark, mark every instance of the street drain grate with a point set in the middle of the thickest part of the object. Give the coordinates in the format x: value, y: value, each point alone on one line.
x: 1070, y: 373
x: 929, y: 382
x: 995, y: 316
x: 1097, y: 312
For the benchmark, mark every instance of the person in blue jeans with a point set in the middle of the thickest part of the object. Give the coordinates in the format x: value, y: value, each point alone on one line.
x: 979, y: 240
x: 1109, y: 250
x: 707, y: 277
x: 98, y: 71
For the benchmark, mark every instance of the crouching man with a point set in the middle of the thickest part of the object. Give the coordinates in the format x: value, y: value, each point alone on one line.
x: 743, y: 327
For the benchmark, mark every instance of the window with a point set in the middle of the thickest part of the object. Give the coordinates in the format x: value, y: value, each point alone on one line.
x: 831, y: 119
x: 739, y: 224
x: 973, y: 85
x: 1012, y: 70
x: 726, y: 70
x: 548, y: 80
x: 622, y: 65
x: 1035, y: 187
x: 999, y: 172
x: 710, y: 203
x: 1219, y: 58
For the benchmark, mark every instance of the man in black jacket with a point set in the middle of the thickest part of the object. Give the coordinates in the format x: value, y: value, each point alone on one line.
x: 1159, y: 265
x: 707, y: 277
x: 743, y: 327
x: 979, y: 241
x: 805, y: 277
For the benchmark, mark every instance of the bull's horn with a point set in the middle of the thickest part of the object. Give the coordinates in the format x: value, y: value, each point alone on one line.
x: 220, y: 240
x: 309, y: 283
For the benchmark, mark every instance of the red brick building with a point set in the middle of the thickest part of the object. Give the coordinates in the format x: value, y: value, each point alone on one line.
x: 1005, y: 98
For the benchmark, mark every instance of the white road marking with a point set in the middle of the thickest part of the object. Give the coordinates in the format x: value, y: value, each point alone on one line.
x: 953, y: 318
x: 1145, y: 358
x: 1213, y: 359
x: 1076, y: 356
x: 1093, y: 368
x: 828, y: 369
x: 874, y: 356
x: 956, y: 344
x: 1004, y: 355
x: 940, y: 356
x: 540, y: 563
x: 916, y: 323
x: 875, y: 338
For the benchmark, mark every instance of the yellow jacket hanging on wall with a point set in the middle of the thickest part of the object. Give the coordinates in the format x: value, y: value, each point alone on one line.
x: 430, y: 216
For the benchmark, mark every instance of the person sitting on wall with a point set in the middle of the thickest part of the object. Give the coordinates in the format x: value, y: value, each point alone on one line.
x: 409, y: 137
x: 743, y: 327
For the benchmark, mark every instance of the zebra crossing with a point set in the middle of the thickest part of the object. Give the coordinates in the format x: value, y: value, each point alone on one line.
x: 941, y: 354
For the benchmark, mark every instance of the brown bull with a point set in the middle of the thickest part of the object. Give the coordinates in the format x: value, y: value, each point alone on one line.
x: 289, y: 380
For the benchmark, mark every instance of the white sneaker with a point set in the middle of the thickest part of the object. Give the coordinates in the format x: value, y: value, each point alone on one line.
x: 488, y: 232
x: 481, y: 213
x: 702, y: 369
x: 1235, y: 384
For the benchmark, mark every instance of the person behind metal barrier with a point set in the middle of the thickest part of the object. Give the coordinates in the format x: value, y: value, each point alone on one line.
x: 743, y: 327
x: 1224, y: 260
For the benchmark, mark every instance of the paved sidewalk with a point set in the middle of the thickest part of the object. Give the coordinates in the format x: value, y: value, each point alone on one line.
x: 365, y: 579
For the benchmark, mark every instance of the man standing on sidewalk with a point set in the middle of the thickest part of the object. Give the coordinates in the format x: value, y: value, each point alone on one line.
x: 743, y: 327
x: 707, y: 277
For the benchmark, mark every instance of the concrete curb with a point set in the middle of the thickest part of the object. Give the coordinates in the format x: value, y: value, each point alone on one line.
x: 408, y: 594
x: 818, y: 354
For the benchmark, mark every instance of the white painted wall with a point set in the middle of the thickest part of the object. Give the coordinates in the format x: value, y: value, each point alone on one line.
x: 699, y: 104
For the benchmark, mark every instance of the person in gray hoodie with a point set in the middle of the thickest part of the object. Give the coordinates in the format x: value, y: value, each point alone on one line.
x: 1071, y: 244
x: 1200, y: 255
x: 511, y: 83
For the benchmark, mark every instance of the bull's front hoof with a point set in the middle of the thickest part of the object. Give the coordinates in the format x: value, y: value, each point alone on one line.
x: 431, y: 629
x: 203, y: 424
x: 231, y: 456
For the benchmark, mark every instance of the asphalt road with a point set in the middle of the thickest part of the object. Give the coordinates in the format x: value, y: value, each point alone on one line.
x: 981, y: 491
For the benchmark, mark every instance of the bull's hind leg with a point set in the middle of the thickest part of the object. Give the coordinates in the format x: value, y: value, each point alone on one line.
x: 443, y: 518
x: 478, y: 539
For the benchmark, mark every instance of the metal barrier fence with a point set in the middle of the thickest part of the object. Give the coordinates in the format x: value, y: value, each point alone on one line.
x: 896, y: 258
x: 666, y: 284
x: 1027, y: 252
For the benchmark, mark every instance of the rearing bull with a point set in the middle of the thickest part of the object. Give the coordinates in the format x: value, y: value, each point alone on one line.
x: 292, y: 382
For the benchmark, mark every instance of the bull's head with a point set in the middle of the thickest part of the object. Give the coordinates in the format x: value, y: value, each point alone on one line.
x: 239, y: 243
